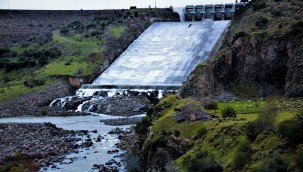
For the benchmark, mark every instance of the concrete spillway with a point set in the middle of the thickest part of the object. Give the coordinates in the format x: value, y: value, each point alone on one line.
x: 164, y: 54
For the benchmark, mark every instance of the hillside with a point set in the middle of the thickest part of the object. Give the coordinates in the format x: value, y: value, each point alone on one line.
x: 188, y: 135
x: 49, y: 46
x: 260, y: 56
x: 242, y: 109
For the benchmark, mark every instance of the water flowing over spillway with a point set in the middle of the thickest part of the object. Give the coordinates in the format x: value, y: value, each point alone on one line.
x: 162, y: 57
x: 164, y: 54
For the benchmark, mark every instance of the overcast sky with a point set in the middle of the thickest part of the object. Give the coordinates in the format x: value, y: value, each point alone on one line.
x: 99, y: 4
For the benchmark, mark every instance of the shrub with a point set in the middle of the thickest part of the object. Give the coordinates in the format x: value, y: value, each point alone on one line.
x: 43, y: 112
x: 159, y: 142
x: 203, y: 161
x: 239, y: 35
x: 251, y: 131
x: 277, y: 12
x: 299, y: 157
x: 64, y: 31
x: 142, y: 127
x: 296, y: 28
x: 133, y: 163
x: 292, y: 129
x: 243, y: 154
x: 259, y: 6
x: 261, y: 22
x: 209, y: 104
x: 201, y: 133
x: 4, y: 51
x: 277, y: 163
x: 36, y: 82
x: 177, y: 133
x: 229, y: 112
x: 264, y: 122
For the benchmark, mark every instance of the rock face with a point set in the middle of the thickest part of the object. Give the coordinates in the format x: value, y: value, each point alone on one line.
x: 252, y: 61
x: 192, y: 116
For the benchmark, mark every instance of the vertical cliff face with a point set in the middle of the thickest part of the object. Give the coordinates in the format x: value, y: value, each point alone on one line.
x: 255, y: 59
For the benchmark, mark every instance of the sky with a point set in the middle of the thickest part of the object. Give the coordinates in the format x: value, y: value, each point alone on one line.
x: 99, y: 4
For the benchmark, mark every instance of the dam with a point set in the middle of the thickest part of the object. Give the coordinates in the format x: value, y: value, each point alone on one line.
x: 163, y: 56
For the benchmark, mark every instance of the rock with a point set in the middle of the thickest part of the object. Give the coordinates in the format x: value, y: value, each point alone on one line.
x: 192, y: 116
x: 177, y: 146
x: 53, y: 142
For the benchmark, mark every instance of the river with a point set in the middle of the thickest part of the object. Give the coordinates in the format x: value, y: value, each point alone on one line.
x: 165, y: 53
x: 85, y: 158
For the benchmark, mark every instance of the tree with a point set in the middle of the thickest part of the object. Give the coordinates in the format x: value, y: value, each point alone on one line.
x: 229, y: 112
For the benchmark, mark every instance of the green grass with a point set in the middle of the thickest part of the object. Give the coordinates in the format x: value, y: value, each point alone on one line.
x: 76, y: 52
x: 116, y: 30
x: 18, y: 89
x: 58, y: 38
x: 59, y: 68
x: 223, y: 135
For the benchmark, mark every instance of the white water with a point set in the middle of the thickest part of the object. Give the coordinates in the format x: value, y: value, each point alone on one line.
x: 165, y: 53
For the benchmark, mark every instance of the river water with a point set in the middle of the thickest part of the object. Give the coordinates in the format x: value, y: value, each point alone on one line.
x: 85, y: 159
x: 165, y: 53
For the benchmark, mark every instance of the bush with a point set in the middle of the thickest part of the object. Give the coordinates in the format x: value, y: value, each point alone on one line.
x: 251, y: 131
x: 259, y: 6
x: 142, y: 127
x: 239, y: 35
x: 277, y: 12
x: 293, y: 129
x: 261, y: 22
x: 211, y: 105
x: 299, y: 157
x: 136, y: 14
x: 177, y: 133
x: 296, y: 28
x: 203, y: 161
x: 160, y: 142
x: 243, y: 154
x: 133, y: 163
x: 36, y: 82
x: 229, y: 112
x: 4, y: 51
x: 277, y: 163
x: 265, y: 122
x: 201, y: 133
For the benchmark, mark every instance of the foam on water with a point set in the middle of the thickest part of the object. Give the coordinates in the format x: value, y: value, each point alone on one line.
x: 165, y: 53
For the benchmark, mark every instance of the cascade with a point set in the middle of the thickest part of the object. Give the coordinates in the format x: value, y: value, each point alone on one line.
x: 160, y: 59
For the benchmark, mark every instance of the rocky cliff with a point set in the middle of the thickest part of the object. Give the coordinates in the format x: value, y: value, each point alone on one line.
x: 261, y: 55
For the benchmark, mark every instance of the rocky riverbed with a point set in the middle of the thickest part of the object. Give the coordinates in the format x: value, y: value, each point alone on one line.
x: 37, y: 144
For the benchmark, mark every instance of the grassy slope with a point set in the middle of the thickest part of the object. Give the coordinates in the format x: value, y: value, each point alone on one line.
x: 224, y: 135
x: 75, y: 60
